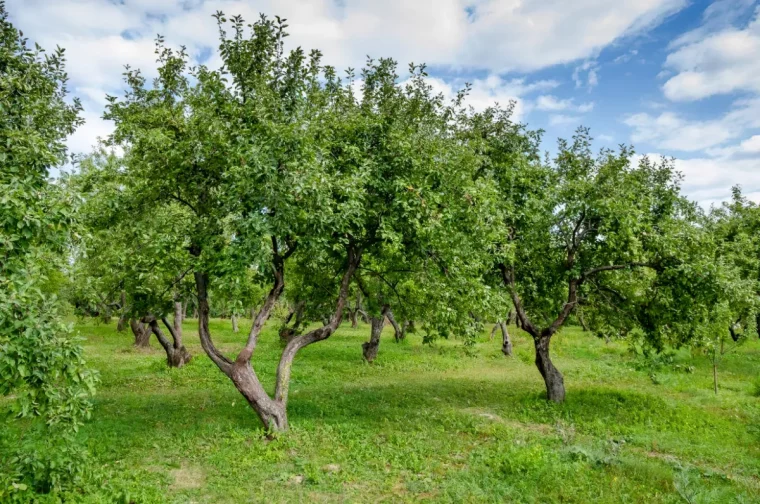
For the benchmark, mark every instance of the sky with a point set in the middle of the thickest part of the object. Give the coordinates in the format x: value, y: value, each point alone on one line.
x: 674, y: 78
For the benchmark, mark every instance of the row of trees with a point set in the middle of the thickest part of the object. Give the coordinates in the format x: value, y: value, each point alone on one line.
x: 272, y: 178
x: 274, y: 171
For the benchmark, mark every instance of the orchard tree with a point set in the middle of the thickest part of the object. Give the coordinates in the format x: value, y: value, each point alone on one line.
x: 279, y: 160
x: 41, y: 362
x: 597, y: 229
x: 132, y: 248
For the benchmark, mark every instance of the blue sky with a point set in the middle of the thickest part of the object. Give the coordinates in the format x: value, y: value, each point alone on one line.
x: 673, y: 77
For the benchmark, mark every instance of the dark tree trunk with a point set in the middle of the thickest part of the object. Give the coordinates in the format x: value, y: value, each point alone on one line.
x: 353, y: 315
x: 518, y: 323
x: 511, y: 317
x: 141, y: 332
x: 370, y: 348
x: 288, y: 333
x: 493, y: 331
x: 757, y: 324
x: 506, y: 342
x: 399, y: 332
x: 734, y: 335
x: 176, y: 353
x: 555, y: 384
x: 233, y: 318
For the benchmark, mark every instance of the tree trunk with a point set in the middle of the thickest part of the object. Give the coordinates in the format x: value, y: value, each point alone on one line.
x: 493, y: 331
x: 715, y: 378
x: 272, y: 413
x: 506, y: 342
x: 178, y: 318
x: 141, y: 332
x: 176, y: 353
x: 353, y: 316
x: 511, y: 317
x: 555, y: 384
x: 370, y: 348
x: 234, y: 323
x: 399, y: 332
x: 184, y: 310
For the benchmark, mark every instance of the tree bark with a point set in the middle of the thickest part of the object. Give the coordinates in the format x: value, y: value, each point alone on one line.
x: 288, y: 333
x: 233, y: 318
x: 353, y: 316
x: 176, y: 353
x: 178, y: 319
x: 506, y: 342
x: 272, y: 411
x: 399, y: 332
x: 141, y: 332
x: 370, y: 348
x: 555, y: 384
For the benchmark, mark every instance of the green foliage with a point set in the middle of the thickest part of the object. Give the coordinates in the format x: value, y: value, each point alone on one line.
x: 41, y: 363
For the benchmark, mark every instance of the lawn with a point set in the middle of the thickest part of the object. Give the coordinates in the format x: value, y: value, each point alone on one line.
x: 424, y: 423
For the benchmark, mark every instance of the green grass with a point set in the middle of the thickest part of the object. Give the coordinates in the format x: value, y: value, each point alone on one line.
x: 424, y: 424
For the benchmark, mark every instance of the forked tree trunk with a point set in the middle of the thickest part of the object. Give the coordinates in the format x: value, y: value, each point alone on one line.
x: 234, y: 323
x: 141, y: 332
x: 555, y: 384
x: 399, y: 332
x: 176, y: 353
x: 288, y: 333
x: 272, y: 411
x: 506, y: 342
x: 370, y: 348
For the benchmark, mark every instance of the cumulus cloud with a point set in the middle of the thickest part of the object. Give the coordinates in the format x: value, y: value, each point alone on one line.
x: 487, y: 38
x: 721, y: 62
x: 674, y: 132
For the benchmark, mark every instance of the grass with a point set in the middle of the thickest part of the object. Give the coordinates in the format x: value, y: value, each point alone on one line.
x: 424, y: 424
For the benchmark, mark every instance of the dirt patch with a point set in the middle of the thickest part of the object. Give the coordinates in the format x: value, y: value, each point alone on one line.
x: 187, y: 477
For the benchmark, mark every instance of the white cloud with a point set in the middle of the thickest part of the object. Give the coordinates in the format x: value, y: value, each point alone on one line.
x: 553, y: 104
x: 563, y: 120
x: 490, y: 37
x: 494, y: 89
x: 672, y: 131
x: 722, y: 62
x: 708, y: 180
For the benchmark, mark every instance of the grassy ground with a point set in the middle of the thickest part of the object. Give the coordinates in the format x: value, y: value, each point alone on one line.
x: 425, y: 424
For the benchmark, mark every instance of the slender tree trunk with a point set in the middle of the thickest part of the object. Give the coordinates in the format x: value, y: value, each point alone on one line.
x: 353, y: 316
x: 121, y: 325
x: 493, y: 331
x: 141, y: 332
x: 715, y: 373
x: 234, y: 323
x: 288, y: 333
x: 370, y: 348
x: 184, y: 310
x: 506, y: 342
x: 178, y: 319
x: 399, y: 332
x: 555, y: 384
